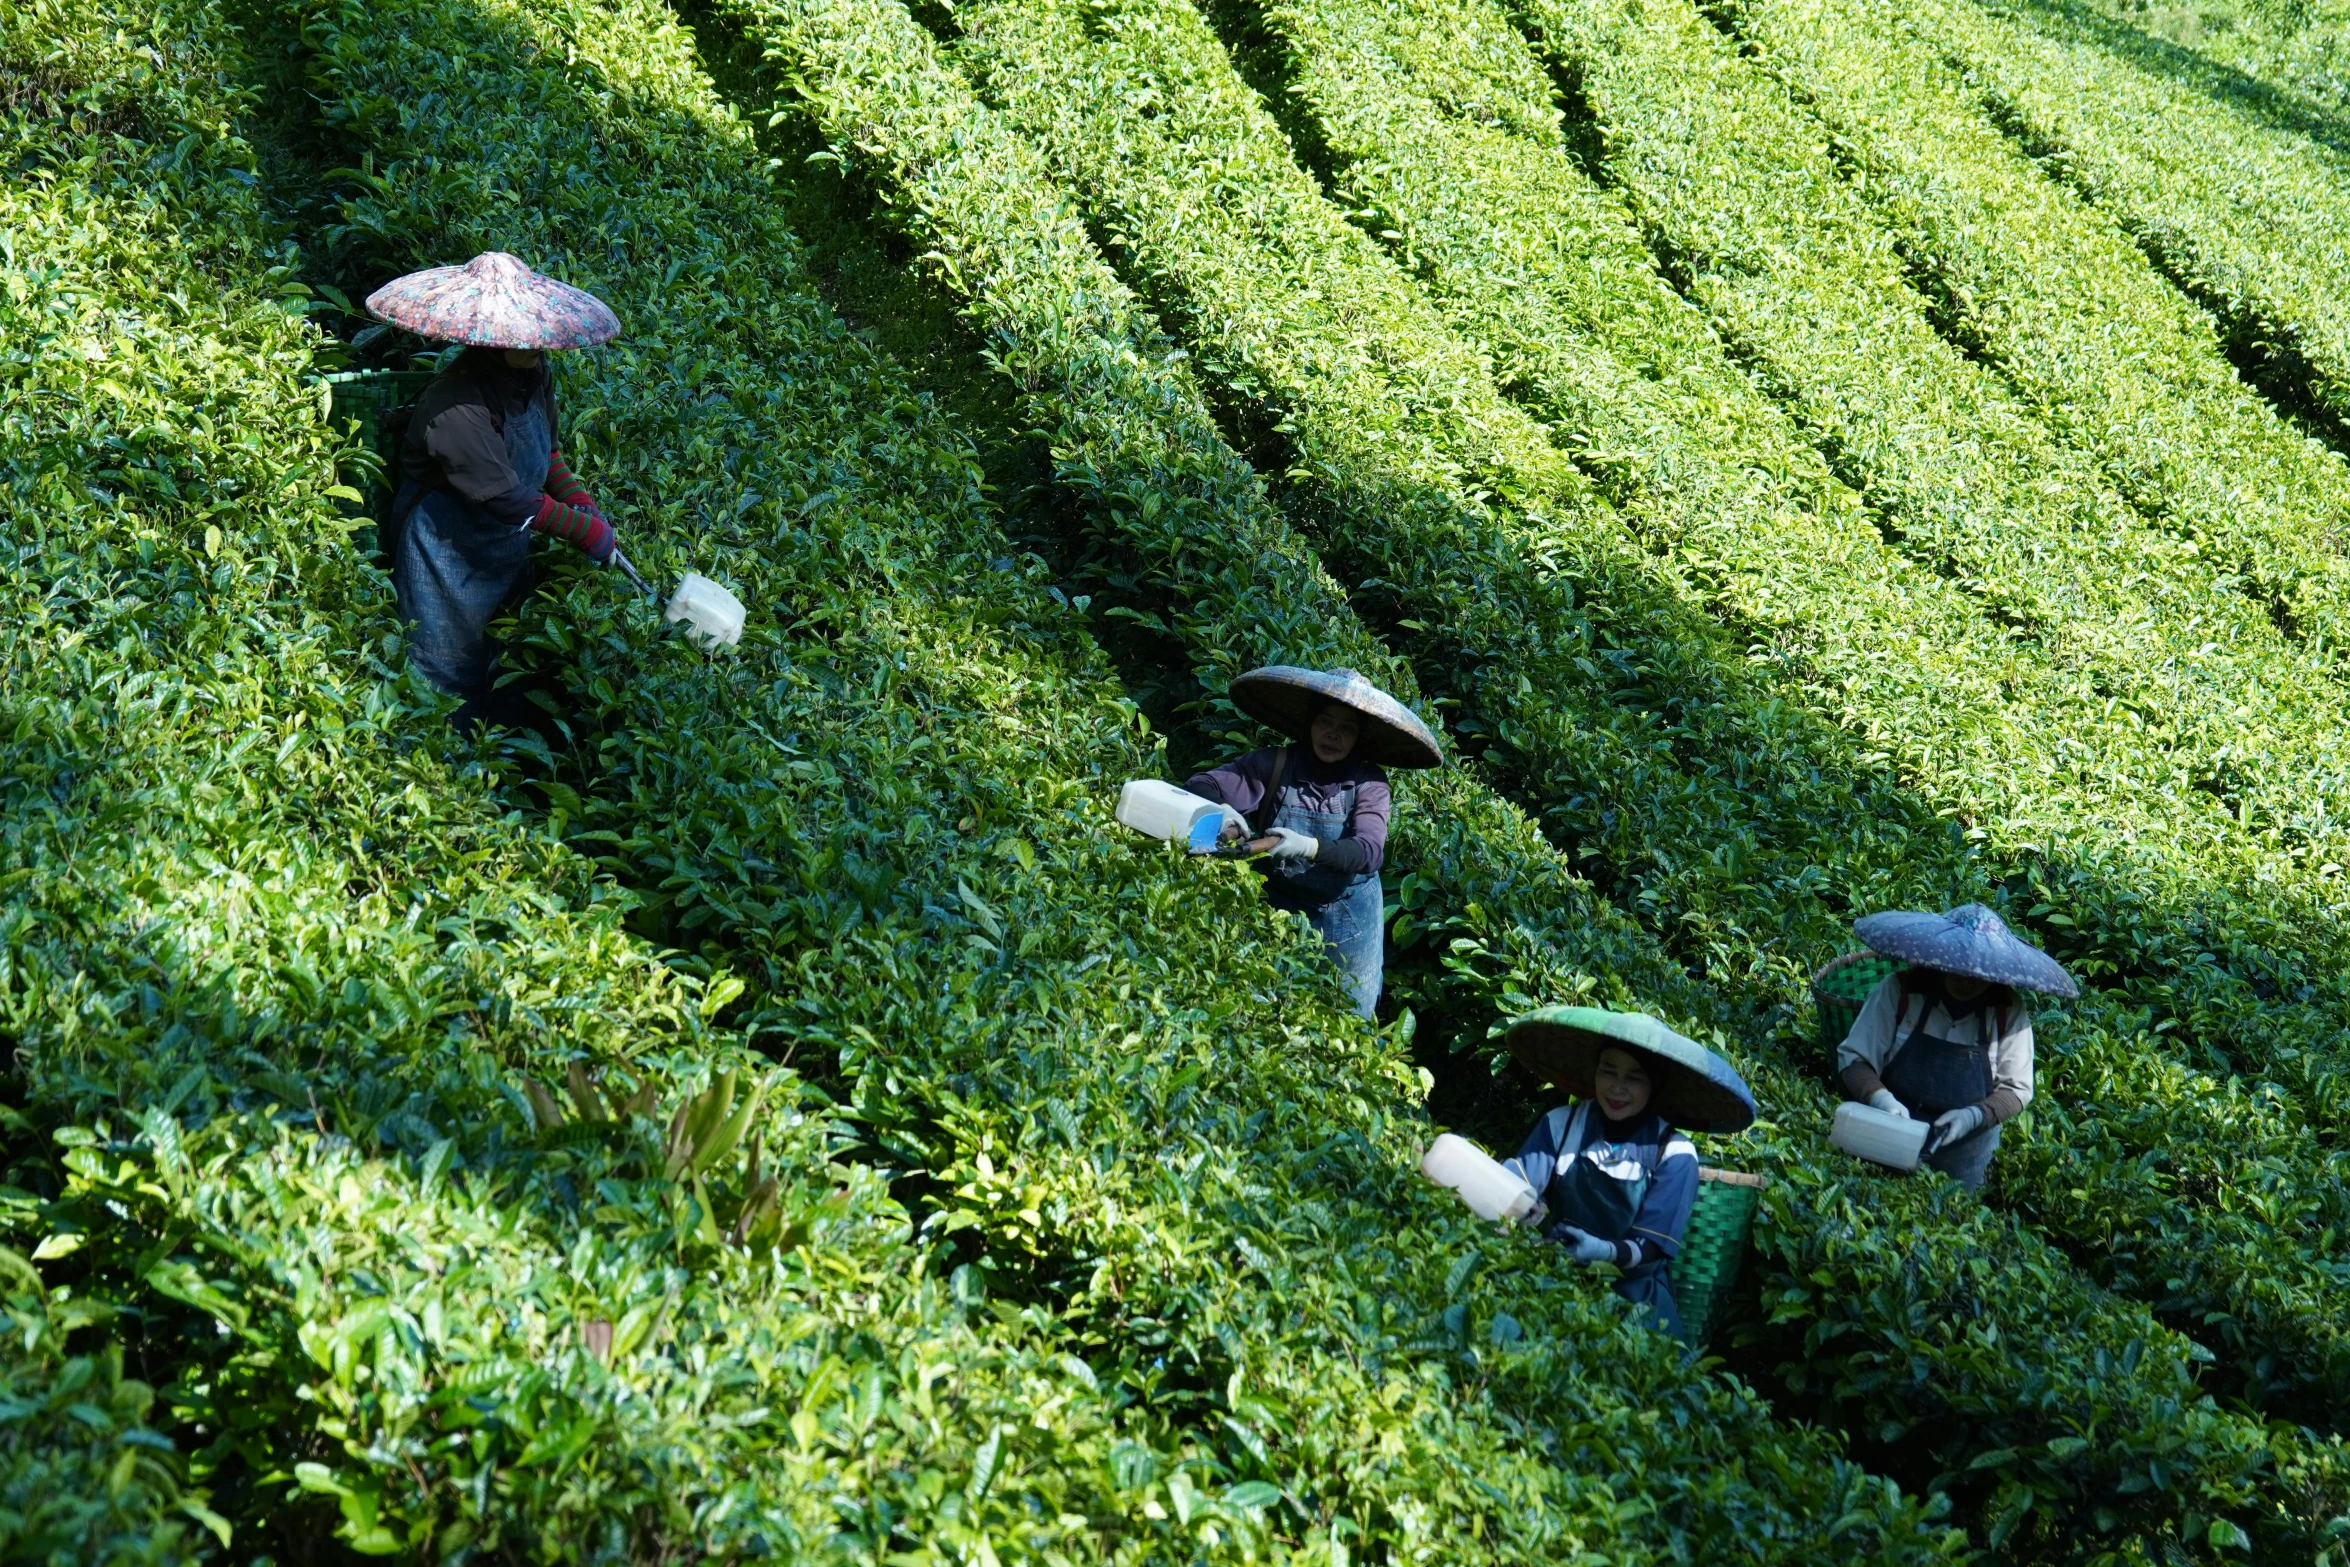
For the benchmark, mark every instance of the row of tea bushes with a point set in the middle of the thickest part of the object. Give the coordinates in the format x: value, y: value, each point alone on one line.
x: 279, y: 964
x: 1114, y: 1073
x: 1438, y: 115
x: 2241, y: 206
x: 2103, y: 348
x: 960, y: 183
x: 1721, y: 167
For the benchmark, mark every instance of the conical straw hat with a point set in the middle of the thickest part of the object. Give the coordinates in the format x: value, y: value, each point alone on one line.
x: 1287, y: 697
x: 494, y: 301
x: 1969, y: 940
x: 1696, y: 1090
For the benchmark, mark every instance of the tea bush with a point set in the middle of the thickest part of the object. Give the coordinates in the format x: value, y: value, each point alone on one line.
x: 1103, y: 1112
x: 977, y: 205
x: 279, y: 963
x: 2061, y: 299
x: 1438, y: 114
x: 2239, y: 205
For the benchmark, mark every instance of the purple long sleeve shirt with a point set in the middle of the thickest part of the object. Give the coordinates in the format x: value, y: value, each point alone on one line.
x: 1240, y: 783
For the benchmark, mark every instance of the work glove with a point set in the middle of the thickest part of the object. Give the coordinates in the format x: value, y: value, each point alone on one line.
x: 1954, y: 1126
x: 586, y: 529
x: 1292, y: 845
x: 1584, y: 1246
x: 1883, y: 1099
x: 564, y: 485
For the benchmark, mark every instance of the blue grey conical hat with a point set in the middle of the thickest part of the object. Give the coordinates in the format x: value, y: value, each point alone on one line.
x: 1969, y: 940
x: 1696, y: 1090
x: 1286, y: 698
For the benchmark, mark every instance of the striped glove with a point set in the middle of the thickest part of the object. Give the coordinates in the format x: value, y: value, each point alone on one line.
x: 586, y: 529
x: 564, y: 485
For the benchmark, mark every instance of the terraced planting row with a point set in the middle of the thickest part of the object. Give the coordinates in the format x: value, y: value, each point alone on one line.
x: 2281, y: 1333
x: 1114, y: 1249
x: 1104, y: 1113
x: 946, y: 160
x: 279, y: 964
x: 1808, y: 285
x: 2243, y: 210
x: 1438, y: 113
x: 2061, y: 300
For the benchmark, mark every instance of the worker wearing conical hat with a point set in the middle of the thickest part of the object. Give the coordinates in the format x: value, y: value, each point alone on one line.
x: 480, y: 471
x: 1948, y: 1039
x: 1320, y: 805
x: 1613, y: 1170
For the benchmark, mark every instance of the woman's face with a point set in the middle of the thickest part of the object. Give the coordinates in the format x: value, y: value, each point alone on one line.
x: 1334, y: 733
x: 1963, y: 987
x: 1621, y: 1085
x: 523, y: 358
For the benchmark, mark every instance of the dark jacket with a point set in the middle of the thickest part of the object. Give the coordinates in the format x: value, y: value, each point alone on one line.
x: 456, y: 438
x: 1241, y: 784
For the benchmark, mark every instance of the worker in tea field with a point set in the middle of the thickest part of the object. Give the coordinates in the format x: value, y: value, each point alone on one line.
x: 480, y: 471
x: 1319, y: 809
x: 1948, y: 1039
x: 1614, y: 1174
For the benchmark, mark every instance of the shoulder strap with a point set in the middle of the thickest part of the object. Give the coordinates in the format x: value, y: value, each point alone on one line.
x: 1903, y: 1029
x: 1270, y: 805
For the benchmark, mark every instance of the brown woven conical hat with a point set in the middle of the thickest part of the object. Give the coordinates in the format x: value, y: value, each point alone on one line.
x: 1287, y: 697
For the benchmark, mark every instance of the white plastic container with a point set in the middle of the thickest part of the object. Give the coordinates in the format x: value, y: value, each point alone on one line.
x: 711, y: 614
x: 1167, y: 811
x: 1878, y: 1136
x: 1490, y: 1191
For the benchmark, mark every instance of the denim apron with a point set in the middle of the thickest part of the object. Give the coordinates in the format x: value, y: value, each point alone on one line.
x: 1349, y: 911
x: 1931, y: 1075
x: 1599, y: 1189
x: 455, y: 566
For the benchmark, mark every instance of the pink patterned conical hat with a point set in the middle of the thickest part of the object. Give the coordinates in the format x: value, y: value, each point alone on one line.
x: 494, y: 301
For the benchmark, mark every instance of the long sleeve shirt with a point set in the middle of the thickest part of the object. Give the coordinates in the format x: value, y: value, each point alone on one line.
x: 457, y: 441
x: 1868, y: 1049
x: 1639, y: 1147
x: 1320, y: 786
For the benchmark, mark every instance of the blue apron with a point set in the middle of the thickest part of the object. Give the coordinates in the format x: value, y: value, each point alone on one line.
x: 1349, y: 911
x: 455, y: 566
x: 1930, y: 1074
x: 1598, y: 1188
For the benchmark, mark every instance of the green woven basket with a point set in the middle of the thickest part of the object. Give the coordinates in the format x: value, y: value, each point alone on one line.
x: 1713, y: 1246
x: 1841, y: 987
x: 367, y: 395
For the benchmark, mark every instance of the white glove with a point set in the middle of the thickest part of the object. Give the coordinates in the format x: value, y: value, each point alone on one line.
x: 1954, y: 1126
x: 1584, y: 1246
x: 1883, y: 1099
x: 1291, y: 845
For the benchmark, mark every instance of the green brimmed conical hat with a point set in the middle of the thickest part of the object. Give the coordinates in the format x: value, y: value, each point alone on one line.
x: 1696, y: 1090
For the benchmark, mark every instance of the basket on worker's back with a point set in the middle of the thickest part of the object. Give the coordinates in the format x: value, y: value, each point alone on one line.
x: 1841, y: 988
x: 1713, y: 1246
x: 372, y: 397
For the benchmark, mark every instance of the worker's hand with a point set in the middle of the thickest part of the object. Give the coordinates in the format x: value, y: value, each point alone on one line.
x: 601, y: 543
x: 1584, y: 1246
x: 585, y: 529
x: 1953, y: 1126
x: 1292, y: 845
x: 1883, y: 1099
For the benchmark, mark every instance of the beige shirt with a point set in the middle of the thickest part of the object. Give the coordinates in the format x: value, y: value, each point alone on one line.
x: 1869, y: 1048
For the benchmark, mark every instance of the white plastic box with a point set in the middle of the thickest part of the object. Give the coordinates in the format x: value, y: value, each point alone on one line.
x: 1879, y: 1136
x: 1491, y: 1191
x: 712, y: 615
x: 1162, y: 810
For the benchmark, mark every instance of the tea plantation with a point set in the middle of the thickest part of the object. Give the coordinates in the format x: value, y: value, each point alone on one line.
x: 1806, y: 456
